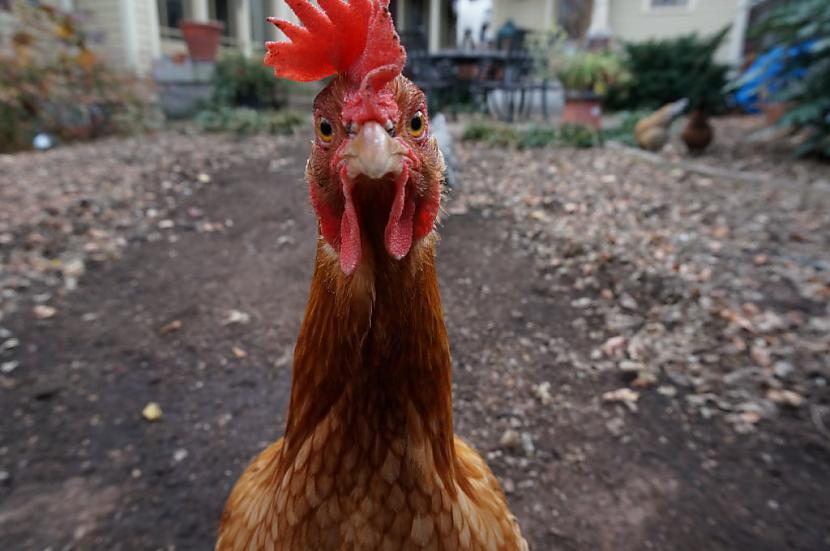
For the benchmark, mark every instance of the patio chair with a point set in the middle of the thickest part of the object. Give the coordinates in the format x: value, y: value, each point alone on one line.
x: 507, y: 83
x: 438, y: 80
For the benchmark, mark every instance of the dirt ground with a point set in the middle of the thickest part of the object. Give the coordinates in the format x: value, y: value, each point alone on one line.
x: 204, y: 323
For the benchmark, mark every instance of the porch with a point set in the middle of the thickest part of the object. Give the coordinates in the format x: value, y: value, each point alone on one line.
x: 246, y: 28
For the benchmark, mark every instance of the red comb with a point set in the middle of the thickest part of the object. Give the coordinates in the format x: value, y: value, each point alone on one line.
x: 354, y: 39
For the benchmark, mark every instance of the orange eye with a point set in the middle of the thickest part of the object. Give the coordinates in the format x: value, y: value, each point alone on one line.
x: 417, y: 125
x: 325, y: 130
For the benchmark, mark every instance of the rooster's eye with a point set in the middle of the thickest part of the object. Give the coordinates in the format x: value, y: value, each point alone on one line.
x: 417, y: 125
x: 325, y: 130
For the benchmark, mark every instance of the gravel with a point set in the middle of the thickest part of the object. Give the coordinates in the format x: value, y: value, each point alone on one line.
x: 710, y: 291
x: 66, y: 210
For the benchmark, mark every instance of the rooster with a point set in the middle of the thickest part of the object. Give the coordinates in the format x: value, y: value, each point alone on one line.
x: 369, y: 459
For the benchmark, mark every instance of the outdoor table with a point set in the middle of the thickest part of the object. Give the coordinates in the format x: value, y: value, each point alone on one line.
x: 486, y: 70
x: 478, y: 59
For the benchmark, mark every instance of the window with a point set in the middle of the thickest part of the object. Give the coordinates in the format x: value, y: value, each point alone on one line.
x: 221, y: 12
x: 669, y: 3
x: 668, y: 6
x: 170, y: 12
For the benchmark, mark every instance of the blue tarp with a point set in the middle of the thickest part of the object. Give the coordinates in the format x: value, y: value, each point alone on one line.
x: 765, y: 77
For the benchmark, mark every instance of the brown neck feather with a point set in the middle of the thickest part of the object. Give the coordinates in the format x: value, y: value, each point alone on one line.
x: 373, y: 348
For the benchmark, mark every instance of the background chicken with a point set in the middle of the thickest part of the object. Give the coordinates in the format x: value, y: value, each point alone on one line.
x: 440, y: 130
x: 369, y: 459
x: 652, y: 132
x: 697, y: 134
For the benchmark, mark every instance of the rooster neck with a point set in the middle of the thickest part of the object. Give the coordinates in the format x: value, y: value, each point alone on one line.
x: 373, y: 353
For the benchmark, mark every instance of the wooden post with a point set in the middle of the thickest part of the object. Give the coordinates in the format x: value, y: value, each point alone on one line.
x: 401, y: 15
x: 434, y: 25
x: 738, y: 32
x: 128, y: 33
x: 199, y: 10
x: 242, y: 25
x: 278, y: 8
x: 600, y: 20
x: 550, y: 14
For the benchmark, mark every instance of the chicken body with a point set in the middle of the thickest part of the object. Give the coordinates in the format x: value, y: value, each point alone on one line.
x: 389, y: 505
x: 369, y: 460
x: 652, y: 132
x: 697, y: 135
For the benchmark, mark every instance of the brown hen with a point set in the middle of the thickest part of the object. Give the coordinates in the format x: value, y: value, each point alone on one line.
x: 369, y: 459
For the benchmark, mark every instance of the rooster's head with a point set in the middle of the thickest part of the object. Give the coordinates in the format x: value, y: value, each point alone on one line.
x: 374, y: 173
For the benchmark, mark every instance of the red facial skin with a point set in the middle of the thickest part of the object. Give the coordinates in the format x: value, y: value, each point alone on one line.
x: 385, y: 218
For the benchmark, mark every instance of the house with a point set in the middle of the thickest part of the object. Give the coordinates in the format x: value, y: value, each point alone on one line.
x: 135, y: 33
x: 535, y: 15
x: 638, y: 20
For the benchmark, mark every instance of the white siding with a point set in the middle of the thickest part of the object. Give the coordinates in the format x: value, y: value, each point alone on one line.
x: 104, y: 20
x: 145, y: 18
x: 108, y: 19
x: 7, y: 24
x: 635, y: 20
x: 528, y: 14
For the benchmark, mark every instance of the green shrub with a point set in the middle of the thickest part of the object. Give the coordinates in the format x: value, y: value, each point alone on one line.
x: 245, y: 121
x: 501, y: 135
x: 241, y: 81
x: 538, y: 136
x: 494, y: 134
x: 576, y: 135
x: 666, y: 70
x: 51, y: 81
x: 478, y: 131
x: 803, y: 27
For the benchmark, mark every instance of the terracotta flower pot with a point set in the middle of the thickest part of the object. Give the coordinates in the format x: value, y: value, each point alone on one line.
x: 467, y: 71
x: 202, y: 39
x: 582, y: 109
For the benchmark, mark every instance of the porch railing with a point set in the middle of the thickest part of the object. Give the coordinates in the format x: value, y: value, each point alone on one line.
x: 171, y: 33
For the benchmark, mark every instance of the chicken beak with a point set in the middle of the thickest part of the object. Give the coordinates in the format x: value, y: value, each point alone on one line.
x: 373, y: 153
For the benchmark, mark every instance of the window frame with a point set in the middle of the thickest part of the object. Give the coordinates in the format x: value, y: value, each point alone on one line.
x: 162, y: 12
x: 649, y: 7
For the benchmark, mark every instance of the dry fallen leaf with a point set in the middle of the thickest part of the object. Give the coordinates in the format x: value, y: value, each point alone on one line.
x: 749, y: 417
x: 236, y: 316
x: 644, y: 379
x: 623, y: 395
x: 44, y: 312
x: 152, y: 412
x: 174, y: 325
x: 785, y: 397
x: 8, y: 367
x: 542, y: 393
x: 510, y: 439
x: 614, y: 347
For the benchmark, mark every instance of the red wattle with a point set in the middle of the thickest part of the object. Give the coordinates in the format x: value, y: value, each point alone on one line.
x: 329, y: 221
x: 350, y: 248
x: 427, y: 212
x: 398, y: 233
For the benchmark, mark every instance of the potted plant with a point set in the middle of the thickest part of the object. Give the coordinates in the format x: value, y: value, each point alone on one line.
x: 586, y: 77
x: 202, y: 38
